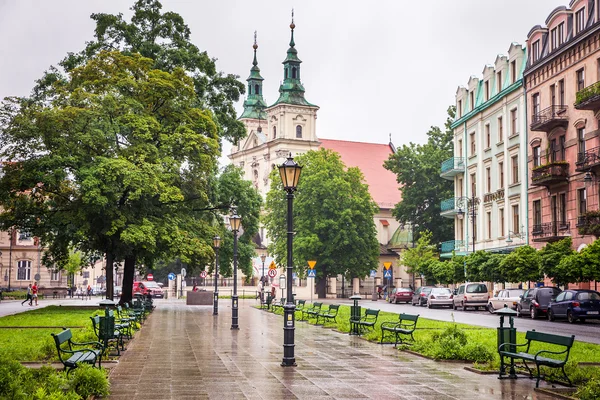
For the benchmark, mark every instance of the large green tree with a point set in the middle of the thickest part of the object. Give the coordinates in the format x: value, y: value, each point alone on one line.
x: 417, y: 169
x: 118, y: 159
x: 421, y: 258
x: 333, y: 219
x: 521, y: 265
x: 550, y: 257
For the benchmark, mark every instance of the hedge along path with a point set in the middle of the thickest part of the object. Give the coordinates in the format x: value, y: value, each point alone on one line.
x: 580, y: 352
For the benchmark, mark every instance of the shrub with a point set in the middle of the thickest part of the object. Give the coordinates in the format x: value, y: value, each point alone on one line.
x: 477, y: 352
x: 88, y: 381
x: 590, y: 390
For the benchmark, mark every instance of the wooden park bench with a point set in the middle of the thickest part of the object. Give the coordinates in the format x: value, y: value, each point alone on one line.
x: 311, y: 312
x: 546, y: 358
x: 329, y: 314
x: 406, y: 325
x: 368, y: 320
x: 70, y: 354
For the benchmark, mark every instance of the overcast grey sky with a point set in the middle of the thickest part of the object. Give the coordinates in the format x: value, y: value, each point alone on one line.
x: 374, y: 68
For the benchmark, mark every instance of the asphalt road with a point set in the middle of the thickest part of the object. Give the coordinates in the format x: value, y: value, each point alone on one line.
x: 584, y: 332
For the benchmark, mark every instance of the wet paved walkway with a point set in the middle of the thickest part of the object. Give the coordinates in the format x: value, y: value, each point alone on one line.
x: 184, y: 352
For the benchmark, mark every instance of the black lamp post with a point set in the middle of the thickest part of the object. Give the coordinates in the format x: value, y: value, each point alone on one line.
x: 234, y: 221
x: 216, y: 245
x: 262, y: 278
x: 290, y: 175
x: 461, y: 214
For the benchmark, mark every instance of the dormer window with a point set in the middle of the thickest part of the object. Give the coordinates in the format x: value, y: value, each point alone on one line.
x: 274, y: 132
x: 459, y: 107
x: 298, y: 131
x: 487, y: 90
x: 561, y: 33
x: 256, y: 89
x: 579, y: 20
x: 294, y: 73
x: 513, y: 68
x: 499, y: 80
x: 286, y: 73
x: 554, y: 38
x: 472, y: 98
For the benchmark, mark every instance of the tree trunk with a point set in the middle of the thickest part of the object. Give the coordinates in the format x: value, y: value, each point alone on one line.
x: 321, y: 287
x: 128, y: 274
x: 110, y: 287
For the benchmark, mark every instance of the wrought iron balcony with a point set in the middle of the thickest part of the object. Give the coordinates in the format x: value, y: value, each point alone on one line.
x: 452, y: 167
x: 555, y: 172
x: 550, y: 118
x: 452, y: 245
x: 588, y: 159
x: 589, y: 223
x: 550, y: 231
x: 588, y: 98
x: 449, y: 208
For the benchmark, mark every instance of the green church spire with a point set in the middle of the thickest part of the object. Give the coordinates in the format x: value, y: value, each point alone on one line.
x: 254, y: 105
x: 291, y: 90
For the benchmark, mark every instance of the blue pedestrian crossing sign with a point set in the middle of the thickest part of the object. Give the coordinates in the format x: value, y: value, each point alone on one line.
x: 387, y: 273
x: 312, y: 273
x: 373, y: 273
x: 171, y: 276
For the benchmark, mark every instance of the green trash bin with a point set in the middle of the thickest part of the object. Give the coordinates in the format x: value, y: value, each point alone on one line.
x: 507, y: 334
x: 355, y: 315
x: 269, y: 300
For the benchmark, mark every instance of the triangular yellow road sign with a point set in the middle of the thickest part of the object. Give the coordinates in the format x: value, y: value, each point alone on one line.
x: 272, y: 265
x: 311, y: 264
x: 387, y: 265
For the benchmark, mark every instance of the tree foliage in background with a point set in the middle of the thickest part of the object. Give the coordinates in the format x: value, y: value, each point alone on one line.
x: 418, y: 259
x: 550, y: 257
x: 165, y: 39
x: 522, y: 265
x: 333, y: 219
x: 417, y: 169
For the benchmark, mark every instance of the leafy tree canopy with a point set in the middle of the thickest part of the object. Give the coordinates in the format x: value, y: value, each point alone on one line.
x: 521, y: 265
x: 550, y: 257
x: 419, y: 259
x: 417, y: 169
x: 333, y: 219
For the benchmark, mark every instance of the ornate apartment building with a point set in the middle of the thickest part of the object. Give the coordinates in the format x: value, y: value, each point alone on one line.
x: 563, y: 96
x: 289, y: 127
x: 490, y: 145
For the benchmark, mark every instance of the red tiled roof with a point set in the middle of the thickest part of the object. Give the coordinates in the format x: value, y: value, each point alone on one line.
x: 369, y: 157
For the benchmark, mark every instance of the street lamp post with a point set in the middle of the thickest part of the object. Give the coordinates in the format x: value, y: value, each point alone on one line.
x: 290, y: 175
x: 262, y: 278
x: 216, y: 245
x: 10, y: 246
x: 461, y: 214
x: 234, y: 221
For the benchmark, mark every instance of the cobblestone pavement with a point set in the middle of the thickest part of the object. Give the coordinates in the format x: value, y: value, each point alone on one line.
x: 184, y: 352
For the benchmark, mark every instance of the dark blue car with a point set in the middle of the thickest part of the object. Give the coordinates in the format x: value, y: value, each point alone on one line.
x: 574, y: 305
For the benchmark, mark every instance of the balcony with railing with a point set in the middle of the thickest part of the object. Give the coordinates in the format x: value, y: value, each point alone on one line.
x: 588, y: 98
x: 589, y: 223
x: 449, y: 207
x: 551, y: 172
x: 588, y: 160
x: 451, y: 245
x: 550, y: 118
x: 452, y: 167
x: 550, y: 231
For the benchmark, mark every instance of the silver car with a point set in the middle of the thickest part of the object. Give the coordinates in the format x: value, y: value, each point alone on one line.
x: 439, y: 297
x: 510, y: 297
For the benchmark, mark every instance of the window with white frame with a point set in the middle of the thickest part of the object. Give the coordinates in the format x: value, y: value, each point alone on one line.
x: 535, y: 51
x: 500, y: 130
x: 513, y: 122
x: 55, y: 275
x: 515, y: 168
x: 580, y: 20
x: 24, y: 270
x: 561, y: 33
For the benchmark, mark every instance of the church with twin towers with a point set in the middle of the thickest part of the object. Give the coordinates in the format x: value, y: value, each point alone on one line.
x: 289, y: 126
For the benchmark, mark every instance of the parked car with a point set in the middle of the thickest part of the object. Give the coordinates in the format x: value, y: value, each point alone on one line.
x: 401, y: 295
x: 508, y: 297
x: 574, y: 305
x: 473, y: 294
x: 439, y: 297
x: 420, y: 296
x: 535, y: 301
x: 146, y: 288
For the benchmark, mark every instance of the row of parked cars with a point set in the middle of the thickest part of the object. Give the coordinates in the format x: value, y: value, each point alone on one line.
x: 536, y: 302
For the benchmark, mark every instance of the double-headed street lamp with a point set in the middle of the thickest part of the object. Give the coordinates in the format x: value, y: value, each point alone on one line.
x: 216, y: 245
x: 262, y: 278
x: 290, y: 175
x: 235, y: 222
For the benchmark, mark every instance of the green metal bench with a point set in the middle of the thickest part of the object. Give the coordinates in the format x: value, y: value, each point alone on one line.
x: 312, y: 311
x: 546, y: 358
x: 406, y: 325
x: 368, y: 320
x: 107, y: 333
x: 71, y: 353
x: 329, y: 314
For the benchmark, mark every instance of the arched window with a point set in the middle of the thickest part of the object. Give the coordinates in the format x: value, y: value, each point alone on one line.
x: 24, y: 270
x: 299, y: 131
x: 286, y: 73
x: 294, y: 73
x: 256, y: 89
x: 274, y: 132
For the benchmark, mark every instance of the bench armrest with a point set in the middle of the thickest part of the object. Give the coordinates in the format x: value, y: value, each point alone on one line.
x: 550, y: 352
x: 86, y: 343
x: 511, y: 344
x: 390, y: 324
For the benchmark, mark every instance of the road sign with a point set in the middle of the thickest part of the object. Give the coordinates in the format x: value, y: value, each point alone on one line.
x: 387, y: 265
x: 203, y: 274
x: 171, y: 276
x: 150, y: 277
x: 183, y: 272
x: 36, y: 277
x: 373, y: 273
x: 311, y: 264
x: 272, y: 273
x: 387, y: 273
x: 312, y: 273
x: 273, y: 265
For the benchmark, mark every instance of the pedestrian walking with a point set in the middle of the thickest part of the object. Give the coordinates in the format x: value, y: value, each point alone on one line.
x: 89, y: 292
x: 34, y: 294
x: 28, y: 298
